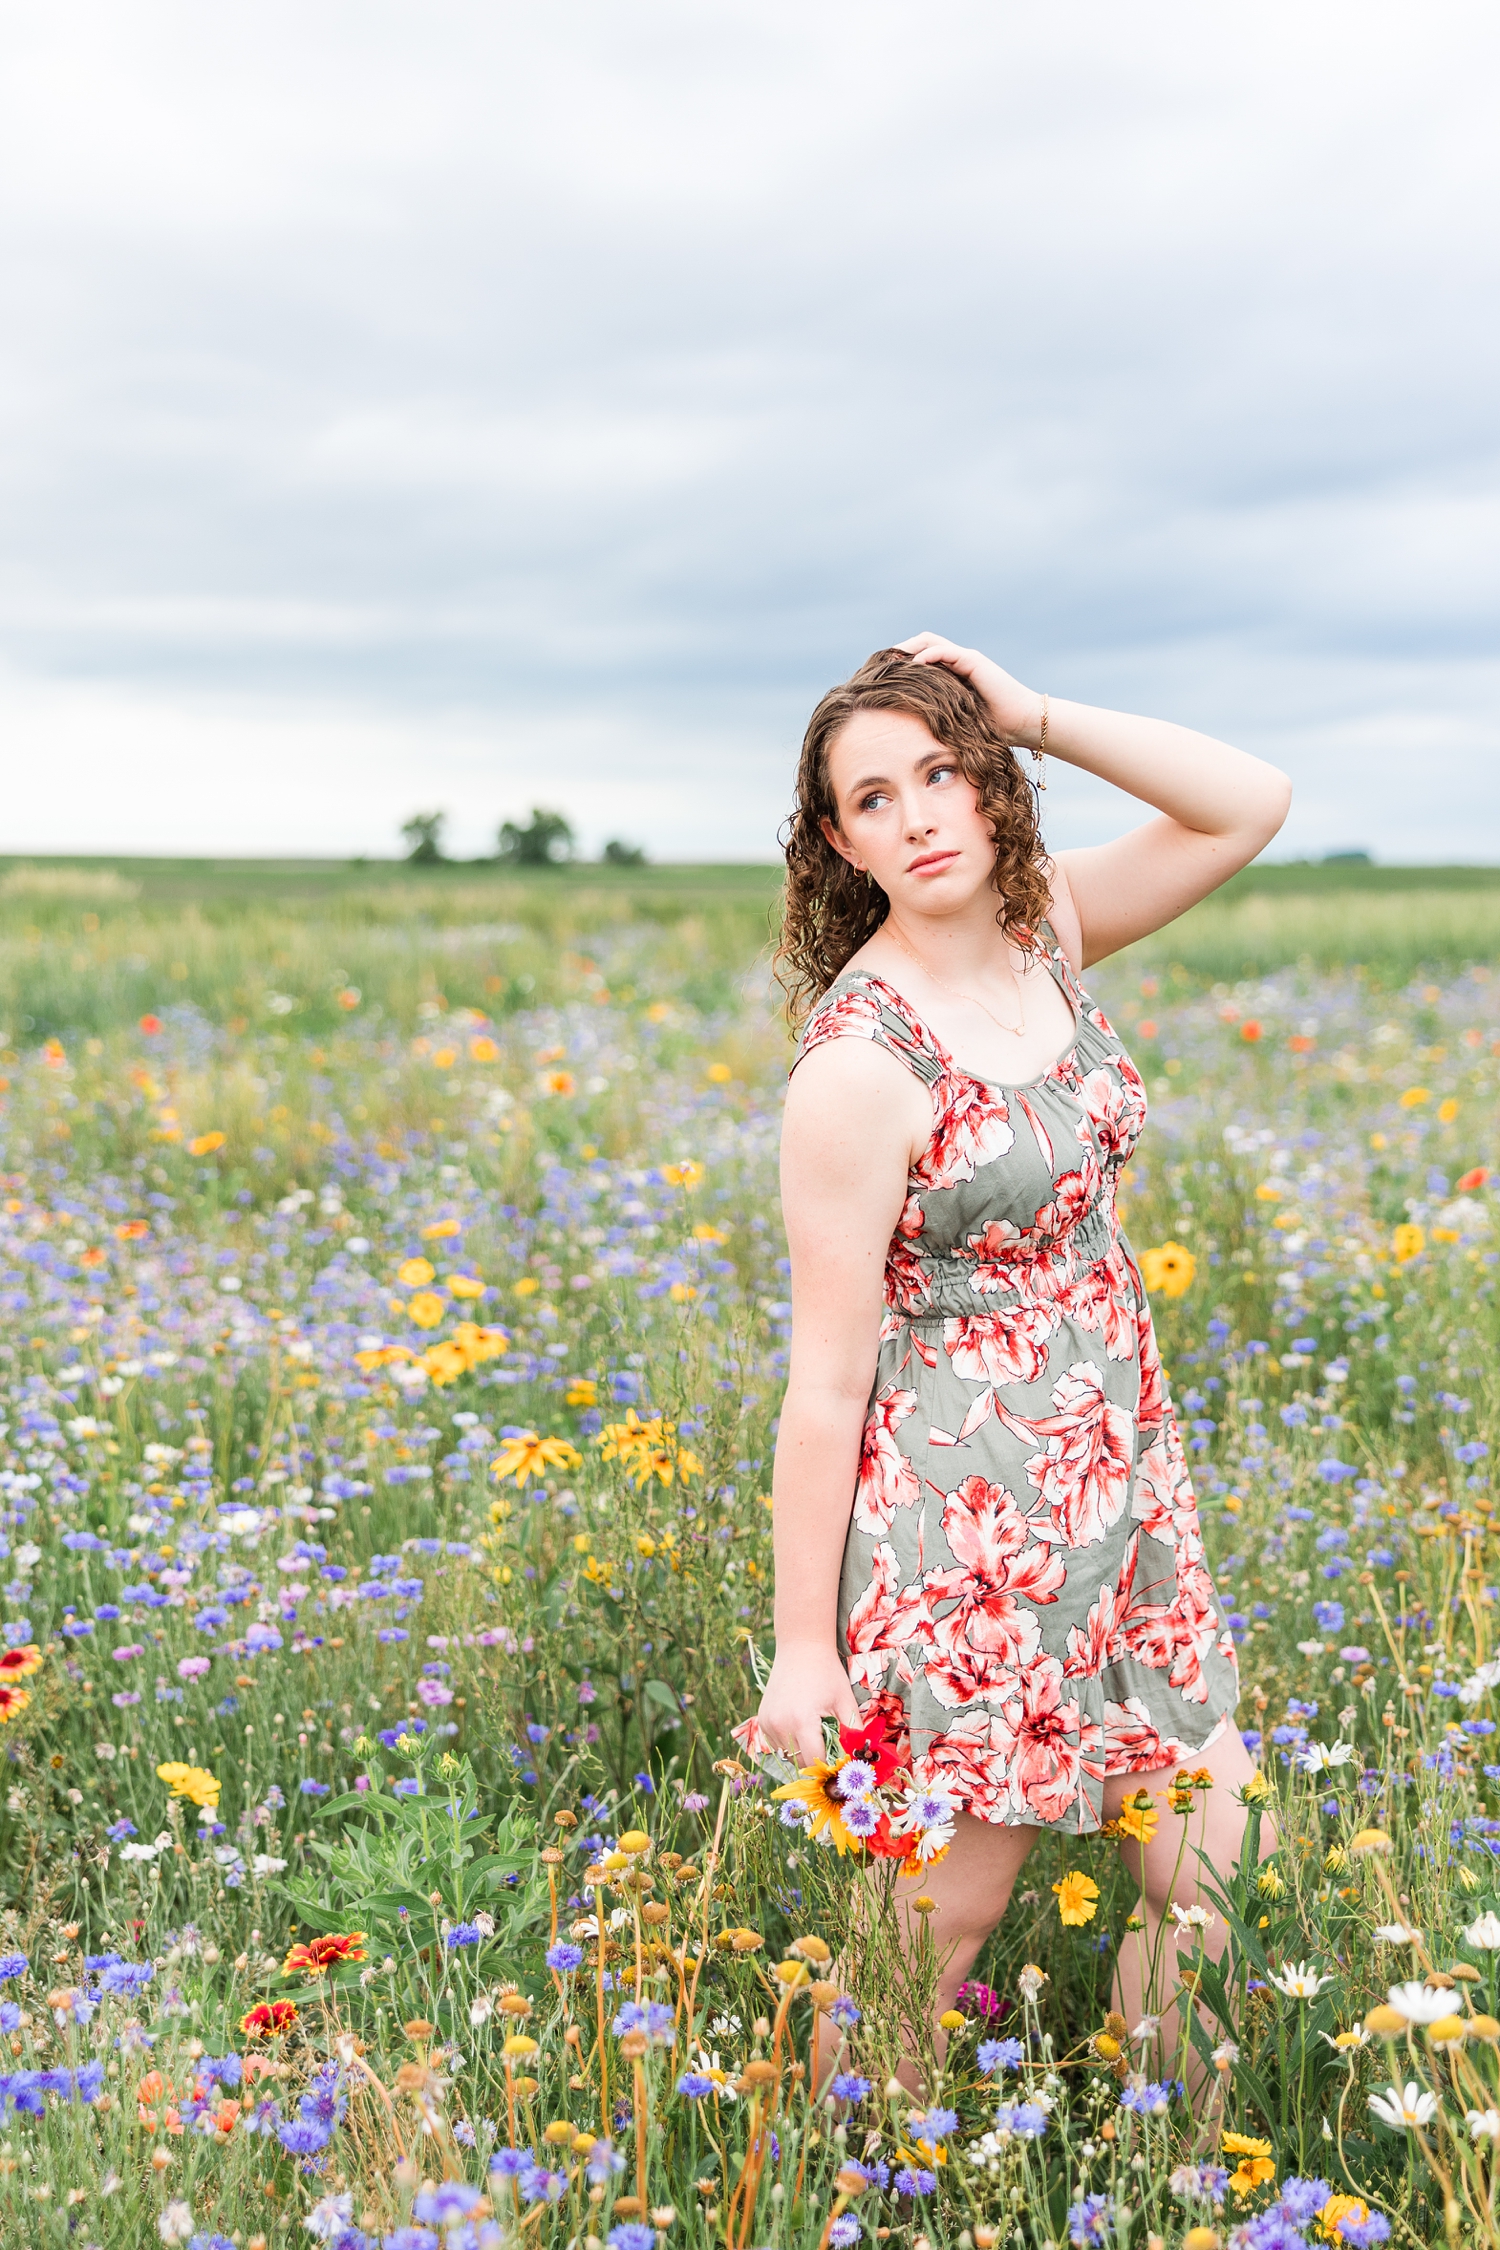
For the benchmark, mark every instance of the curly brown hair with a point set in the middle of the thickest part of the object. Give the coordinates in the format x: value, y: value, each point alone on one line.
x: 830, y: 910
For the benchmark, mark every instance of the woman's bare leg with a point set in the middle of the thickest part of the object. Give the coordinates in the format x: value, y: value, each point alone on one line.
x: 972, y: 1887
x: 1216, y: 1826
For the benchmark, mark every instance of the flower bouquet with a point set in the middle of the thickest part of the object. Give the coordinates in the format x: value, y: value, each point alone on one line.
x: 865, y: 1798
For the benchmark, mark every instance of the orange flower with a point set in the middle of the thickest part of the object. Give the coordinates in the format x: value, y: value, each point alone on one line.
x: 19, y: 1663
x: 1472, y: 1180
x: 1300, y: 1044
x: 206, y: 1143
x: 1250, y: 1029
x: 483, y: 1050
x: 151, y: 1025
x: 12, y: 1700
x: 270, y: 2018
x: 440, y: 1230
x: 324, y: 1953
x: 132, y: 1230
x: 349, y: 997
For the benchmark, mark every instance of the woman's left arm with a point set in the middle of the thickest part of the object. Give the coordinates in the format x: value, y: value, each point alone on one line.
x: 1219, y: 806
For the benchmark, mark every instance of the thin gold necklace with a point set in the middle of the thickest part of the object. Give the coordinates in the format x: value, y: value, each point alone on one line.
x: 1016, y: 1030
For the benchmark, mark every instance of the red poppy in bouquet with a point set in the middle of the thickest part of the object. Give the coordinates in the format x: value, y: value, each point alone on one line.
x: 324, y: 1953
x: 867, y: 1799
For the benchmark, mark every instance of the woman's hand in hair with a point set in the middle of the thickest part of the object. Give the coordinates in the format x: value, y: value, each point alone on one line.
x: 1017, y: 712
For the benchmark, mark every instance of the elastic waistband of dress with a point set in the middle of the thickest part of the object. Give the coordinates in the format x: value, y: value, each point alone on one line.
x: 1001, y: 1300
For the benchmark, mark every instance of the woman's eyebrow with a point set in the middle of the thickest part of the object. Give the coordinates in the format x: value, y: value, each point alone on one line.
x: 882, y: 781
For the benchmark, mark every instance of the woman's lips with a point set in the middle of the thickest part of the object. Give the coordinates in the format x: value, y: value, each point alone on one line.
x: 933, y: 864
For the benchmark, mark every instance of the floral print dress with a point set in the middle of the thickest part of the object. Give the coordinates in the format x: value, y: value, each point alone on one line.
x: 1024, y: 1567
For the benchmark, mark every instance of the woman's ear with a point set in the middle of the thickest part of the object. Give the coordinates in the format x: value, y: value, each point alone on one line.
x: 832, y: 836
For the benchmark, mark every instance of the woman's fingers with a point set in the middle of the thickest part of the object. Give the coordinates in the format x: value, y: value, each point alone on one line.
x: 810, y: 1741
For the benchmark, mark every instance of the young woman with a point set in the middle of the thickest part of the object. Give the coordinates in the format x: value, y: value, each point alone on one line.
x: 983, y: 1513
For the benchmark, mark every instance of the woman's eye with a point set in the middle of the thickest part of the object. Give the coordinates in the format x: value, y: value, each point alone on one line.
x: 942, y: 773
x: 876, y: 798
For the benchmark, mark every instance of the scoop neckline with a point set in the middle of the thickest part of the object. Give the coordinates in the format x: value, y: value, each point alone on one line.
x: 1006, y: 1085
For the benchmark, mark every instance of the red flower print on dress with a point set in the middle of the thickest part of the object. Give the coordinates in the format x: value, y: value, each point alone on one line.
x: 1151, y: 1406
x: 1101, y: 1299
x: 1111, y: 1113
x: 887, y: 1481
x: 1085, y: 1449
x: 1133, y: 1743
x: 999, y: 1565
x: 968, y: 1759
x: 883, y: 1622
x: 1097, y: 1642
x: 906, y: 1278
x: 971, y: 1128
x: 1052, y: 1746
x: 1000, y: 1347
x: 1074, y: 1196
x: 998, y: 1258
x: 1163, y: 1501
x: 1195, y: 1625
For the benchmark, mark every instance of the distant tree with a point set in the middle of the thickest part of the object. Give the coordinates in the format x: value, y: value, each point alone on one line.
x: 617, y: 854
x: 547, y: 840
x: 424, y: 838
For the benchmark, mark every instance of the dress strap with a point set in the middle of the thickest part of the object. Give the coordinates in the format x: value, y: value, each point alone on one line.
x: 858, y: 1005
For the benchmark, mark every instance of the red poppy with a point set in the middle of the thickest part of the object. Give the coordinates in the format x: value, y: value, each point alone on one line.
x: 1474, y: 1179
x: 151, y: 1025
x: 271, y: 2017
x: 883, y: 1741
x: 324, y: 1953
x: 1250, y: 1030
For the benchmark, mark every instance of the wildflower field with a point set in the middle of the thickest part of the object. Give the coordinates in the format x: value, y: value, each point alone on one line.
x: 392, y: 1319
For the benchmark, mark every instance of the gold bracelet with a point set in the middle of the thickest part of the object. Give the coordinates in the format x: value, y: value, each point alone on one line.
x: 1041, y: 754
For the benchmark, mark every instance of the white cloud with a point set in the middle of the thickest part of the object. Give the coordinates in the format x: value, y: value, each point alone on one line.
x: 391, y: 394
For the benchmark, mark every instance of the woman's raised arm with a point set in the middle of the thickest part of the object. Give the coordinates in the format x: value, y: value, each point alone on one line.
x: 1219, y: 806
x: 854, y: 1115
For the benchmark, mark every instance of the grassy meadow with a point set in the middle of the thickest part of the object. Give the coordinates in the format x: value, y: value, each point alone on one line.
x: 395, y: 1315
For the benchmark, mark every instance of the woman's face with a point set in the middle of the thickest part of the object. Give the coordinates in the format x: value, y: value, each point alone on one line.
x: 907, y: 813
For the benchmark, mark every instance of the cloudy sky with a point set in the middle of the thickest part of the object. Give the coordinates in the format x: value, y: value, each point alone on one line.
x: 471, y: 406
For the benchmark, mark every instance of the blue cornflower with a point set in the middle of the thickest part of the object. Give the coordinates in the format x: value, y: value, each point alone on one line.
x: 1000, y: 2054
x: 1021, y: 2121
x: 311, y: 1788
x: 303, y: 2136
x: 844, y: 2012
x: 844, y: 2230
x: 541, y: 2186
x: 1365, y: 2234
x: 1088, y: 2221
x: 510, y: 2163
x: 848, y: 2086
x: 464, y: 1933
x: 564, y: 1958
x: 447, y: 2204
x: 935, y: 2126
x: 12, y: 1965
x: 1301, y: 2200
x: 912, y: 2181
x: 653, y: 2017
x: 694, y: 2085
x: 602, y: 2163
x: 120, y: 1830
x: 128, y: 1977
x: 631, y: 2236
x: 1152, y: 2101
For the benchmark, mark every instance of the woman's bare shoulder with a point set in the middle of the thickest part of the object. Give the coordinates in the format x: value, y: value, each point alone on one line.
x: 1063, y: 914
